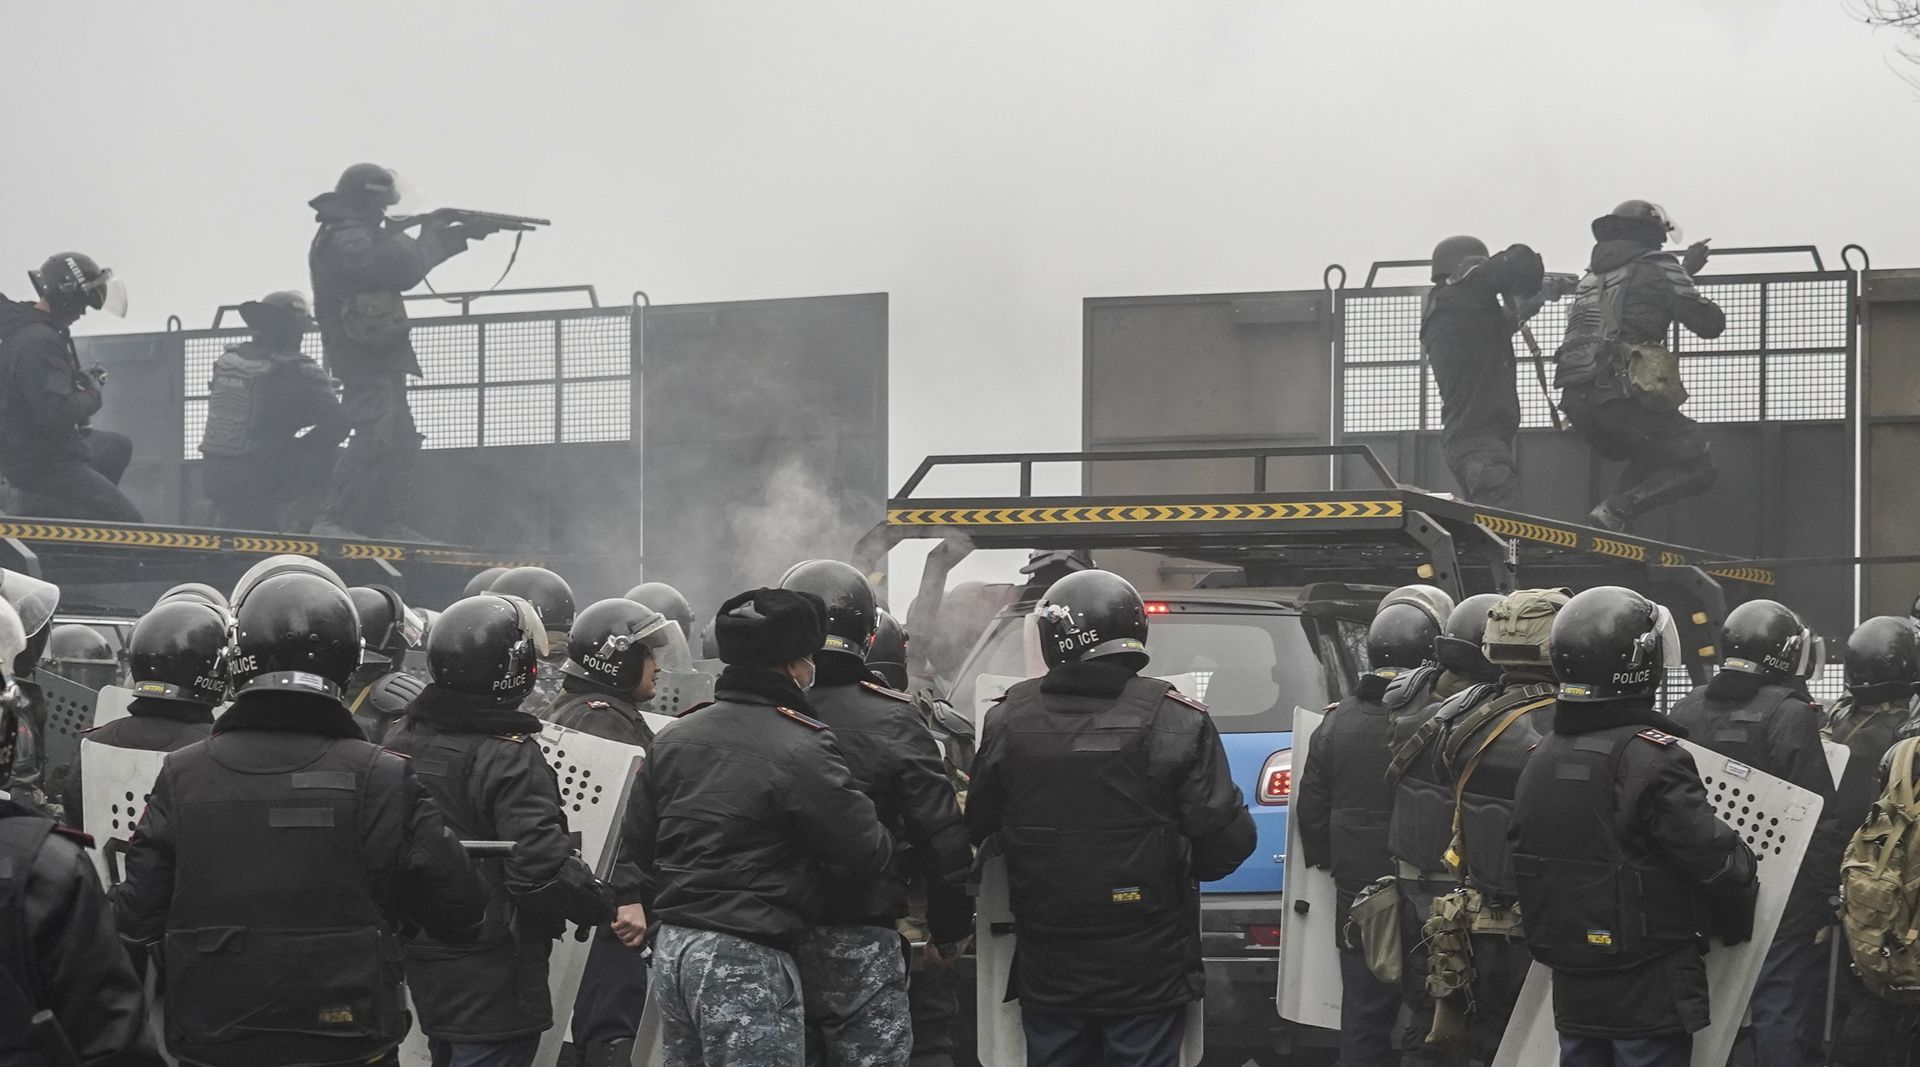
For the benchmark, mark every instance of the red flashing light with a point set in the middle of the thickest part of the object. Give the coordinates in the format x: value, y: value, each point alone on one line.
x: 1264, y: 936
x: 1276, y: 778
x: 1155, y: 607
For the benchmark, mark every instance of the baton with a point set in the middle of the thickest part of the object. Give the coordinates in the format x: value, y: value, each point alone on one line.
x: 487, y: 849
x: 1833, y: 982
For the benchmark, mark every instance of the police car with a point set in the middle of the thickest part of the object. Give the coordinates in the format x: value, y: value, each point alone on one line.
x: 1252, y: 656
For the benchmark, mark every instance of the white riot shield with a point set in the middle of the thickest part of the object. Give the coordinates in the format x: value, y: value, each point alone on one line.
x: 676, y: 691
x: 1777, y: 820
x: 71, y: 708
x: 114, y: 788
x: 595, y: 776
x: 111, y: 705
x: 1002, y: 1041
x: 1309, y: 991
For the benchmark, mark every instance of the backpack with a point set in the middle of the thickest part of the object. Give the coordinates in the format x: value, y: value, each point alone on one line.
x: 1880, y: 887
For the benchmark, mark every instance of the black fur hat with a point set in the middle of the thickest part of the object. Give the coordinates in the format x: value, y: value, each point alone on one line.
x: 770, y: 627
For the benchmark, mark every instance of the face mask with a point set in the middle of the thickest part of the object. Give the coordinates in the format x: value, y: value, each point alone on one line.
x: 812, y: 673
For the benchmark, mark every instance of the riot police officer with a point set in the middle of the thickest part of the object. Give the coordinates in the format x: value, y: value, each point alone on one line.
x: 479, y: 757
x: 1418, y: 613
x: 359, y: 268
x: 610, y: 671
x: 49, y: 450
x: 850, y: 964
x: 1468, y: 336
x: 1345, y: 783
x: 337, y: 842
x: 1487, y: 743
x: 1611, y: 799
x: 177, y: 666
x: 1421, y: 826
x: 666, y: 600
x: 381, y: 689
x: 82, y: 655
x: 1627, y: 302
x: 27, y: 774
x: 552, y: 598
x: 1756, y: 711
x: 483, y: 581
x: 274, y: 426
x: 743, y: 806
x: 59, y: 949
x: 1883, y: 674
x: 1112, y: 800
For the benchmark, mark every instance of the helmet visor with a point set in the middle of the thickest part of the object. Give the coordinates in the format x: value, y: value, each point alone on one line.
x: 1666, y: 637
x: 109, y: 294
x: 531, y: 627
x: 667, y: 644
x: 1813, y: 658
x: 32, y: 599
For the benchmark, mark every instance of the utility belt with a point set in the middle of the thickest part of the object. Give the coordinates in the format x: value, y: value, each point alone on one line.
x: 1431, y: 881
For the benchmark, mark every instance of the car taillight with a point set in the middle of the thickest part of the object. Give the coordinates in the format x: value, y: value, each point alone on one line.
x: 1264, y: 936
x: 1276, y: 778
x: 1155, y: 607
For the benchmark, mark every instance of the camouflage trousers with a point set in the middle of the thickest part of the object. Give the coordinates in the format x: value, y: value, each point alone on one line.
x: 855, y: 979
x: 725, y: 1001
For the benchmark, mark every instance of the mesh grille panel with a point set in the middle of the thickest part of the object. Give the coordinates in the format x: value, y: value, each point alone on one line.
x: 1784, y: 355
x: 585, y: 358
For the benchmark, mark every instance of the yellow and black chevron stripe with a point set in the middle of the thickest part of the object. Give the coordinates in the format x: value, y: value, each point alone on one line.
x: 274, y: 546
x: 1144, y: 513
x: 1755, y: 575
x: 252, y: 544
x: 1626, y: 550
x: 129, y: 536
x: 1530, y: 531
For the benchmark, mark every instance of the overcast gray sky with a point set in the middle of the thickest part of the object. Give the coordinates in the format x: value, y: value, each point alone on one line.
x: 987, y: 163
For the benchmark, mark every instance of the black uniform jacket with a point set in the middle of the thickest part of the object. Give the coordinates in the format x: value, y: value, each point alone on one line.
x: 484, y: 768
x: 1344, y: 800
x: 746, y: 812
x: 1111, y: 813
x: 44, y: 394
x: 353, y: 256
x: 152, y: 725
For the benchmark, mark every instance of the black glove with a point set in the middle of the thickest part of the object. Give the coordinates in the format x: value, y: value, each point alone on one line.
x: 1732, y: 918
x: 1695, y: 258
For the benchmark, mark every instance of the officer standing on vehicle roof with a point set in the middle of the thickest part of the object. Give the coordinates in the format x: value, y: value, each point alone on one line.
x: 1883, y: 673
x: 1421, y: 827
x: 552, y: 598
x: 59, y: 949
x: 1344, y: 786
x: 613, y: 655
x: 850, y: 964
x: 380, y: 690
x: 338, y: 844
x: 742, y: 811
x: 1756, y: 712
x: 360, y: 266
x: 274, y: 426
x: 176, y: 661
x: 485, y: 1002
x: 1610, y: 798
x: 1623, y: 310
x: 1112, y: 800
x: 1468, y: 337
x: 1487, y: 744
x: 49, y: 451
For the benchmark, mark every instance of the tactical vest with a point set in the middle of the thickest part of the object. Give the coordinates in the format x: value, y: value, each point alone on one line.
x: 233, y: 404
x: 20, y: 840
x: 1487, y: 802
x: 1092, y: 843
x: 274, y: 930
x: 1592, y: 348
x: 1589, y: 906
x: 1738, y: 733
x: 1422, y: 824
x: 1409, y: 703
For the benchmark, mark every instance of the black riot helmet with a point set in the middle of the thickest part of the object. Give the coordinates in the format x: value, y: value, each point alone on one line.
x: 196, y: 591
x: 666, y: 600
x: 853, y: 613
x: 1637, y: 220
x: 1090, y: 614
x: 887, y: 660
x: 1611, y: 643
x: 1404, y: 628
x: 386, y: 625
x: 1455, y: 254
x: 483, y: 581
x: 1883, y: 660
x: 71, y: 283
x: 294, y: 630
x: 611, y: 639
x: 80, y: 653
x: 549, y: 594
x: 178, y: 652
x: 488, y: 646
x: 1765, y: 638
x: 368, y: 186
x: 1459, y: 647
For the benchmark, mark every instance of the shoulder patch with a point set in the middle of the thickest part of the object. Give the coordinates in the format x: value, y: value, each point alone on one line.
x: 1181, y: 698
x: 890, y: 694
x: 597, y: 704
x: 1658, y: 737
x: 810, y: 723
x: 517, y: 739
x: 696, y: 707
x: 78, y: 837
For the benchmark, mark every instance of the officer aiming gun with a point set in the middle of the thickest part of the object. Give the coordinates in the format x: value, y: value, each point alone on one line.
x: 488, y: 221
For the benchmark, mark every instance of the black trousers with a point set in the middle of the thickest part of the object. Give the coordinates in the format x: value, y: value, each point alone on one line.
x: 613, y: 991
x: 1666, y: 452
x: 1674, y: 1051
x: 374, y: 477
x: 73, y: 489
x: 1060, y: 1040
x: 279, y: 491
x: 1368, y: 1010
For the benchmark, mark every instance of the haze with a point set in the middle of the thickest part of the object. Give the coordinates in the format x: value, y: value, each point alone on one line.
x: 989, y: 164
